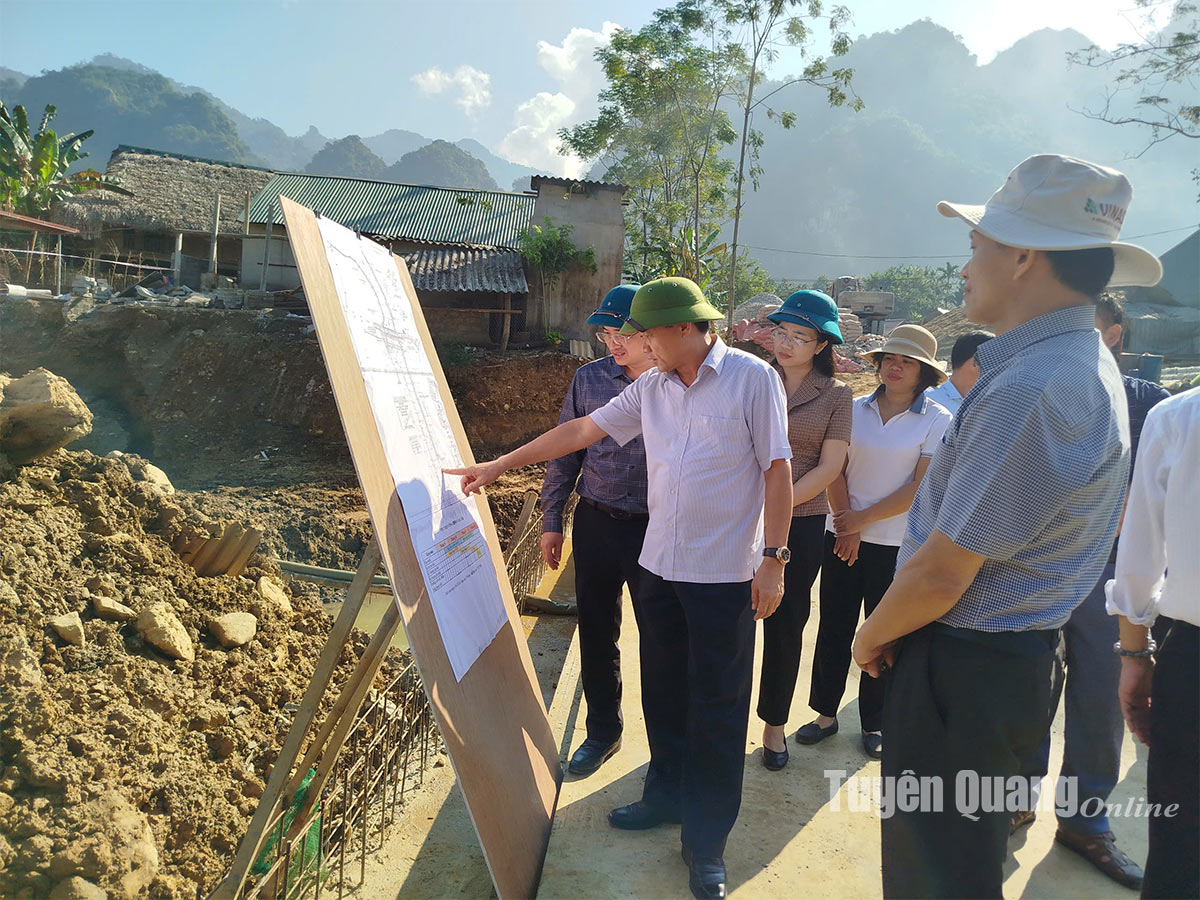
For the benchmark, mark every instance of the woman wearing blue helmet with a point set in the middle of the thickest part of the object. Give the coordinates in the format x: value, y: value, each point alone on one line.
x: 819, y: 417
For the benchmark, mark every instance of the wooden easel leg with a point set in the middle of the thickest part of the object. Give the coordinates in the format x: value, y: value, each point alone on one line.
x: 274, y: 792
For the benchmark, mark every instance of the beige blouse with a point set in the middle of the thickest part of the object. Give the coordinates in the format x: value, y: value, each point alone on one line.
x: 818, y: 410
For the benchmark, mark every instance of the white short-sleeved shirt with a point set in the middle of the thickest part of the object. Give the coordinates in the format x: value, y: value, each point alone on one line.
x: 947, y: 395
x: 884, y: 457
x: 707, y: 447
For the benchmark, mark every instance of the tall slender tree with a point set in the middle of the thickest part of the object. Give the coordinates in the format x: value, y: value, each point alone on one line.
x: 762, y: 28
x: 661, y: 128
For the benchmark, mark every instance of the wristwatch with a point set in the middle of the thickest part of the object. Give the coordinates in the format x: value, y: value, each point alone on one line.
x: 783, y: 554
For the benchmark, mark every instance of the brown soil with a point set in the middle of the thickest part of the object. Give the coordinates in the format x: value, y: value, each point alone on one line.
x: 505, y: 401
x: 118, y: 764
x: 860, y: 382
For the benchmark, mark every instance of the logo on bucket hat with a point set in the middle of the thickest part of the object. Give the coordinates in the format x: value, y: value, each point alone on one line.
x: 1052, y: 202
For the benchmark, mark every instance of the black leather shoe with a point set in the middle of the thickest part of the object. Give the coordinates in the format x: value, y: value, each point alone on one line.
x: 706, y: 876
x: 812, y: 733
x: 872, y: 743
x: 591, y: 755
x: 640, y: 815
x: 774, y: 761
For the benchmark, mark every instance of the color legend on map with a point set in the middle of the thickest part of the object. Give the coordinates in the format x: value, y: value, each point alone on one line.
x: 453, y: 559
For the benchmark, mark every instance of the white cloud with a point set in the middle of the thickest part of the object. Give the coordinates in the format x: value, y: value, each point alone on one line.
x: 472, y: 87
x: 534, y: 139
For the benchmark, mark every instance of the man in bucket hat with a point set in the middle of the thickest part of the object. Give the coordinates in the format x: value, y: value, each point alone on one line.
x: 609, y: 526
x: 1008, y: 530
x: 715, y: 428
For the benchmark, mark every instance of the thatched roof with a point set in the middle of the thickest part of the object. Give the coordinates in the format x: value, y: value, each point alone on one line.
x: 171, y: 193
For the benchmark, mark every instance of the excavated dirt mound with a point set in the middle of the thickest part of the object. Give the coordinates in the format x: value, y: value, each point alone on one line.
x: 119, y: 764
x: 192, y: 389
x: 506, y: 401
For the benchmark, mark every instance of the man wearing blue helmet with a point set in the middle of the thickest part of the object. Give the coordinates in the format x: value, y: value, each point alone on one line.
x: 609, y: 526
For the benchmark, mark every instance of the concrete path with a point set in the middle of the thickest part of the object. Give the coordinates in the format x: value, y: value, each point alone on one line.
x: 789, y: 841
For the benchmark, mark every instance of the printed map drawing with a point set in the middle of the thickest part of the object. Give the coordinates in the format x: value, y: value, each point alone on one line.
x: 418, y: 442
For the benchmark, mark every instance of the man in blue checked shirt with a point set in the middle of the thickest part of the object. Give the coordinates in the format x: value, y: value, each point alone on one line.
x: 610, y: 524
x: 1095, y: 728
x: 1012, y: 523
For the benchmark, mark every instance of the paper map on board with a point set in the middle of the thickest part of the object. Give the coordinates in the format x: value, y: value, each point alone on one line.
x: 445, y: 527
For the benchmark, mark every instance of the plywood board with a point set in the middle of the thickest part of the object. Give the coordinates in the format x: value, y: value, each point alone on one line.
x: 493, y: 720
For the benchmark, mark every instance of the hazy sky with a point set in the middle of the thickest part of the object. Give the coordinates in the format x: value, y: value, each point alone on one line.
x: 508, y: 73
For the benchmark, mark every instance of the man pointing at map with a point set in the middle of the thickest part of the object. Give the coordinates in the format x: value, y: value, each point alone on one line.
x: 714, y: 423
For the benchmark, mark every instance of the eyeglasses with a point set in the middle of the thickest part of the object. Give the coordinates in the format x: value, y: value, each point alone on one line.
x: 613, y: 340
x: 779, y: 336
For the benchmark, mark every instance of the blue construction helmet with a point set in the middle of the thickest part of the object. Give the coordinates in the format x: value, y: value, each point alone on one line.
x: 812, y: 309
x: 615, y: 308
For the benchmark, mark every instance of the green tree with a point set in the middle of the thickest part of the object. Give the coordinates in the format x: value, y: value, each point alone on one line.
x: 765, y: 25
x: 551, y: 250
x: 920, y: 290
x: 34, y: 166
x: 661, y: 128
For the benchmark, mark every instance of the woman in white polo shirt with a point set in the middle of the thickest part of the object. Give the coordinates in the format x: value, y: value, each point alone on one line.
x: 895, y: 432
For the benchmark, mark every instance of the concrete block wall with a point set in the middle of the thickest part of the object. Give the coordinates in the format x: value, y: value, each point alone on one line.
x: 598, y: 217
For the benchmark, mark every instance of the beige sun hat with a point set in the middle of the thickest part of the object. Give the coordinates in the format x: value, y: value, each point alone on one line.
x: 912, y: 341
x: 1053, y: 202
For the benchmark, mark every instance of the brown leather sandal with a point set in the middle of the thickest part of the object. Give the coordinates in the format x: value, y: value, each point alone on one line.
x: 1101, y: 851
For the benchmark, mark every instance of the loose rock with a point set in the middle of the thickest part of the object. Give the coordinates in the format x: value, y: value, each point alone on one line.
x: 160, y: 627
x: 69, y: 628
x: 39, y: 413
x: 234, y: 629
x: 113, y: 610
x: 76, y: 888
x: 274, y: 594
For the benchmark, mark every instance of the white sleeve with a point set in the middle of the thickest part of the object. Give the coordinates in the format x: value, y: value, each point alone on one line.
x: 1142, y: 549
x: 621, y: 417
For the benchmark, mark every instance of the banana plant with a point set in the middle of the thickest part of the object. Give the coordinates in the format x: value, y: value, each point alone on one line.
x: 697, y: 260
x: 35, y: 166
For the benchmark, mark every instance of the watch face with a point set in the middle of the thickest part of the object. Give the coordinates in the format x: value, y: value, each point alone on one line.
x: 783, y: 554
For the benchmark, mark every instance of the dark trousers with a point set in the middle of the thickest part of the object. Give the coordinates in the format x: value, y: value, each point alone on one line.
x: 783, y: 629
x: 697, y: 654
x: 1173, y: 767
x: 961, y: 700
x: 1095, y: 727
x: 845, y: 590
x: 606, y: 554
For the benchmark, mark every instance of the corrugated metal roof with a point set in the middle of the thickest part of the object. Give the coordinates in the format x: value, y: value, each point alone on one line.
x: 434, y: 215
x: 467, y: 269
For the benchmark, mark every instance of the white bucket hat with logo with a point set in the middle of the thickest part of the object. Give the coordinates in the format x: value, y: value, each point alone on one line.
x: 1052, y: 202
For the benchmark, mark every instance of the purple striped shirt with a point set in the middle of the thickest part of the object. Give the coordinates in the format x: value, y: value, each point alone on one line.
x: 606, y: 472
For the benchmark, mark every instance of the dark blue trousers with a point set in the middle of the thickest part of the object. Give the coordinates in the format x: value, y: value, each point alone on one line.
x: 697, y: 656
x: 1094, y: 725
x: 606, y: 554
